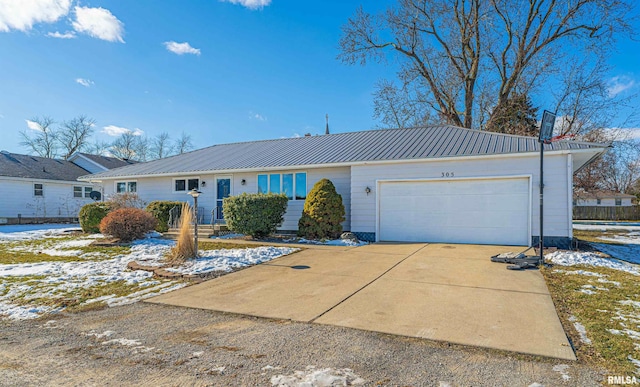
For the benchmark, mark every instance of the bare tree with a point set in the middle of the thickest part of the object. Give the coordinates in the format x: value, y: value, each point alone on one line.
x: 74, y: 134
x: 99, y: 148
x: 43, y: 138
x: 183, y: 144
x: 396, y: 109
x: 448, y: 50
x: 161, y: 146
x: 125, y: 146
x: 141, y: 148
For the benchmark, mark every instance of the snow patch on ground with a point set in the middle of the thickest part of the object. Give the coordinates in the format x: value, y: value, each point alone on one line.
x: 63, y: 278
x: 313, y: 376
x: 580, y: 329
x: 571, y: 258
x: 562, y: 369
x: 25, y: 232
x: 607, y: 226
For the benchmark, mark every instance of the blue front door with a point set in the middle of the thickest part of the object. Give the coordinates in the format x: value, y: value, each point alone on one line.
x: 223, y: 191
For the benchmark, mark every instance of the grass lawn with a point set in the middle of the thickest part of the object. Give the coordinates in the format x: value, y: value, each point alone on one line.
x: 48, y: 273
x: 599, y: 308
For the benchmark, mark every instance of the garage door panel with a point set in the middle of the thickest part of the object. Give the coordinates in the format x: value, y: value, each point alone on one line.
x: 492, y: 211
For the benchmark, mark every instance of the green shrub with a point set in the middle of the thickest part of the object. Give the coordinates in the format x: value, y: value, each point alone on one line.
x: 323, y: 212
x: 258, y: 215
x: 127, y: 224
x: 160, y: 210
x: 91, y: 215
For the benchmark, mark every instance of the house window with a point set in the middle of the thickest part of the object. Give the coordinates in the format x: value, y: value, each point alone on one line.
x: 81, y: 192
x: 274, y: 183
x: 301, y: 186
x: 599, y: 201
x: 293, y: 185
x: 182, y: 185
x: 618, y: 202
x: 287, y: 185
x: 126, y: 186
x: 38, y: 189
x: 263, y: 184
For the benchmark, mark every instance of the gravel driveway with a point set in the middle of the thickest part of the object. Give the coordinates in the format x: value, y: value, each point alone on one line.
x: 146, y: 344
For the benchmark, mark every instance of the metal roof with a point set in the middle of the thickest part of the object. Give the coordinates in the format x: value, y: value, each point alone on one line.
x: 108, y: 162
x: 34, y: 167
x: 352, y: 147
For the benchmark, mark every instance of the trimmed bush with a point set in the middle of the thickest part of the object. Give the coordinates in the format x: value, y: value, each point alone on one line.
x: 160, y: 210
x: 127, y: 224
x: 258, y: 215
x: 323, y: 212
x: 91, y: 215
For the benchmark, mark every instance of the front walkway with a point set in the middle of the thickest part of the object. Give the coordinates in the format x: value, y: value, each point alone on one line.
x: 441, y: 292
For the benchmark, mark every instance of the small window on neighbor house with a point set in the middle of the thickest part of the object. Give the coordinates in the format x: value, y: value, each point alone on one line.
x: 599, y: 201
x: 77, y: 192
x: 618, y: 202
x: 126, y: 186
x: 38, y: 189
x: 575, y: 202
x: 87, y: 192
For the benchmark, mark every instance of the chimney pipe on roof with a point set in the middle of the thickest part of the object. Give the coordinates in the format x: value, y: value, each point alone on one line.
x: 326, y: 131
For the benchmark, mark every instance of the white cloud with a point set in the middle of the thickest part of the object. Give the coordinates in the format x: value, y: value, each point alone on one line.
x: 34, y: 125
x: 181, y: 48
x: 98, y: 23
x: 115, y: 131
x: 59, y: 35
x: 257, y: 116
x: 21, y: 15
x: 84, y: 82
x: 251, y: 4
x: 619, y: 84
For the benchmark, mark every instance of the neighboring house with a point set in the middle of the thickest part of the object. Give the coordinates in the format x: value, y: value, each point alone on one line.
x: 38, y: 189
x: 602, y: 199
x: 428, y: 184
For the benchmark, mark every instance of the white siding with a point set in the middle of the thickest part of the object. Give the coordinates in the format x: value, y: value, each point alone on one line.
x: 58, y: 201
x: 557, y: 209
x: 161, y: 188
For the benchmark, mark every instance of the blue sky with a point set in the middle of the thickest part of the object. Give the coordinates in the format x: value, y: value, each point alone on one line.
x: 222, y: 71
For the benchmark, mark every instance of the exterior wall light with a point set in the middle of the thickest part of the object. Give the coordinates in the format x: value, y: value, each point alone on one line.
x: 243, y: 182
x: 367, y: 190
x: 204, y: 183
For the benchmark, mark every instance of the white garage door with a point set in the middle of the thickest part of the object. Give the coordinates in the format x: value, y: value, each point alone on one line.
x: 487, y: 211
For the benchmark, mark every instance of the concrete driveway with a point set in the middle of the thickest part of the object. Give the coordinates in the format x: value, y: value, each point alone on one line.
x: 440, y: 292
